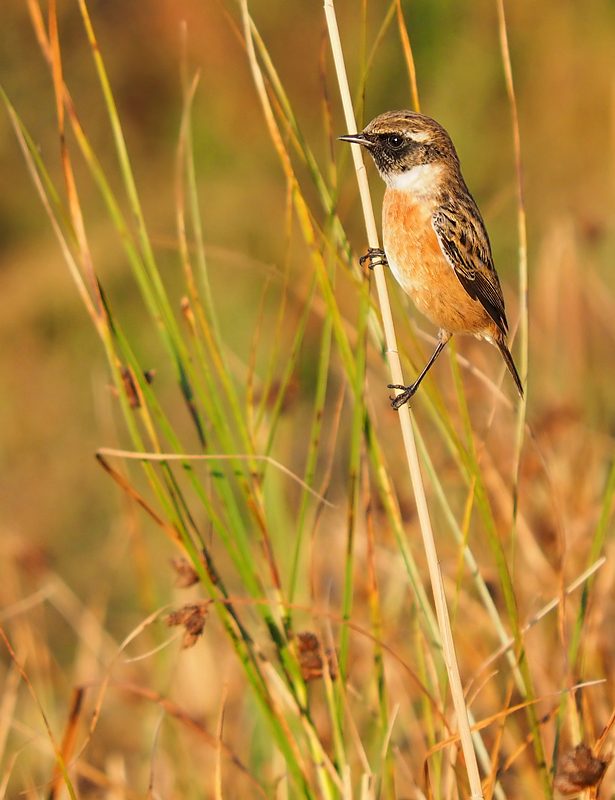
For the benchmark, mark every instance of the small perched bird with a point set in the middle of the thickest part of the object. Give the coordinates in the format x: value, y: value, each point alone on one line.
x: 435, y: 240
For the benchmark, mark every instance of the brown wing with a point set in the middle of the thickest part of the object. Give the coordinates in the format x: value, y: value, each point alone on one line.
x: 461, y: 232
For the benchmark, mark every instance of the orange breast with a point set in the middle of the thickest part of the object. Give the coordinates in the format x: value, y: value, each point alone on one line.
x: 419, y: 265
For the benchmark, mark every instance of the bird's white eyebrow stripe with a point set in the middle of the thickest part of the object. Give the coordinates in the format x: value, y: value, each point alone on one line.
x: 419, y: 136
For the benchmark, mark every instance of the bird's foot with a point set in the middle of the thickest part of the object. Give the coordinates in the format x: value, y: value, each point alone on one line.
x: 406, y: 393
x: 374, y: 256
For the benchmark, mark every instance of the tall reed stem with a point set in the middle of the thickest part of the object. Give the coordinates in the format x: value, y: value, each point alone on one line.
x: 448, y: 646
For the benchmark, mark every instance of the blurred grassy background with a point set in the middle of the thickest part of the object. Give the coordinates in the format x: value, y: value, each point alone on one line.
x: 59, y: 511
x: 52, y: 492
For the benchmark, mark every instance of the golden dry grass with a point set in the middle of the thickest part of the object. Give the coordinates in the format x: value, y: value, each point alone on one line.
x: 83, y: 567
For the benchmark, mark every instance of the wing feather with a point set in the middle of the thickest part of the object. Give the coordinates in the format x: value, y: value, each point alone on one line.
x: 465, y: 243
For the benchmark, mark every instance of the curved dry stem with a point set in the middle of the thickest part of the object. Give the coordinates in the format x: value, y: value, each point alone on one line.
x: 137, y: 456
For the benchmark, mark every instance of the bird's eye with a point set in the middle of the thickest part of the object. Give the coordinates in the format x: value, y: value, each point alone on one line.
x: 394, y: 141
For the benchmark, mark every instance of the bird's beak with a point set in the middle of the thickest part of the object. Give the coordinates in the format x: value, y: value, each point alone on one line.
x: 357, y: 138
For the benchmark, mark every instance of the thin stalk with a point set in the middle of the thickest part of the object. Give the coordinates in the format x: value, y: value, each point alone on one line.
x: 524, y: 335
x: 388, y: 777
x: 354, y: 471
x: 312, y: 457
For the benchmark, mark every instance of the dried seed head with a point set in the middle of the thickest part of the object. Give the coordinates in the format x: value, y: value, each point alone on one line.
x: 579, y: 769
x: 310, y: 657
x: 186, y: 573
x: 193, y: 617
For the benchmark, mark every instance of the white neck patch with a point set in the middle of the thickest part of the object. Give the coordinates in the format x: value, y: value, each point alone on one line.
x: 419, y: 180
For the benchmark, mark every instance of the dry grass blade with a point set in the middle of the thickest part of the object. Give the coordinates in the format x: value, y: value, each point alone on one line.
x: 218, y: 774
x: 523, y: 275
x: 68, y: 740
x: 56, y: 748
x: 407, y: 48
x: 106, y: 681
x: 580, y: 581
x: 131, y: 492
x: 177, y: 713
x: 8, y: 702
x: 64, y: 245
x: 131, y: 454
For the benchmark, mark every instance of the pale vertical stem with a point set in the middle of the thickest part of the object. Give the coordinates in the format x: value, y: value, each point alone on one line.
x: 405, y: 43
x: 522, y: 229
x: 524, y: 361
x: 405, y: 422
x: 523, y: 280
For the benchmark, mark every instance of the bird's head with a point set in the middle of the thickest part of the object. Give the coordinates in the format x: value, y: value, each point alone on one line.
x: 400, y: 141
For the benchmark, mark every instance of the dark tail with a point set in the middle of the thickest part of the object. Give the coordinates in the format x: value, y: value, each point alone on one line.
x: 508, y: 360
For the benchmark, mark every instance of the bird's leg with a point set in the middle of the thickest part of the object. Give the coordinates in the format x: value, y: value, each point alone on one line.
x: 374, y: 256
x: 408, y: 391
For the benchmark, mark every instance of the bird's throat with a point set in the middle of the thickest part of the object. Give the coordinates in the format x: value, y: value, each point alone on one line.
x: 420, y: 180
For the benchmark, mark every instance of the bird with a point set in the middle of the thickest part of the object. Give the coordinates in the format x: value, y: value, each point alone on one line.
x: 435, y: 240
